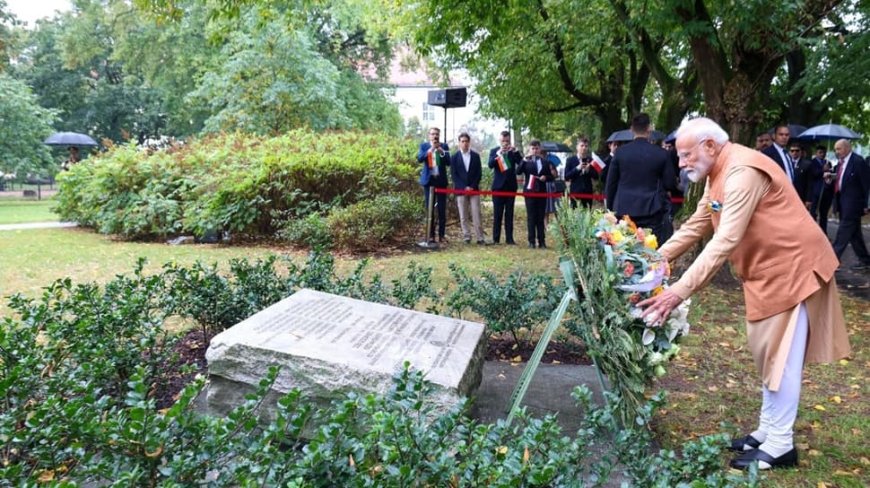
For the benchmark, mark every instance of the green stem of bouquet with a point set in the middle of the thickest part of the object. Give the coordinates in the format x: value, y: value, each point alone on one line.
x: 601, y: 316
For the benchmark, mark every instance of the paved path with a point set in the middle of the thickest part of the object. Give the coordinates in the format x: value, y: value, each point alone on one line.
x: 38, y: 225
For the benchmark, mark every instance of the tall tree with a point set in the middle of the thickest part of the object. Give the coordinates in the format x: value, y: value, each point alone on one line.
x: 290, y: 64
x: 540, y: 64
x: 23, y: 126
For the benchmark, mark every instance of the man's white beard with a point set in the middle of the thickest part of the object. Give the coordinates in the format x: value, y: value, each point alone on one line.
x: 694, y: 176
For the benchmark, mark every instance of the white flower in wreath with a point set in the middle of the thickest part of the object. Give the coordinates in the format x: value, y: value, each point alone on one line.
x: 649, y: 336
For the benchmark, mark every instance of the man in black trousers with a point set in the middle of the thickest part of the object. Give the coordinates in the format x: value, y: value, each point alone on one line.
x: 851, y: 187
x: 826, y: 195
x: 538, y: 171
x: 504, y: 161
x: 638, y: 178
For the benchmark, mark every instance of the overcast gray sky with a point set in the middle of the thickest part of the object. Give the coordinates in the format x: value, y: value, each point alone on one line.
x: 30, y: 10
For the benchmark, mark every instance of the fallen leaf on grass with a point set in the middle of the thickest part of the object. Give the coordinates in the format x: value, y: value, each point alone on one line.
x: 712, y: 388
x: 836, y: 399
x: 814, y: 452
x: 840, y: 472
x: 819, y: 408
x: 556, y: 362
x: 822, y: 484
x: 844, y: 362
x: 865, y: 461
x: 516, y: 359
x: 802, y: 446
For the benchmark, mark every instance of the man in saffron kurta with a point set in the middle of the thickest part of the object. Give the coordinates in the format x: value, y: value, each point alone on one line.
x: 793, y: 313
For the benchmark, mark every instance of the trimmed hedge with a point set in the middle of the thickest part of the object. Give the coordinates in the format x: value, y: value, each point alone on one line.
x: 240, y: 183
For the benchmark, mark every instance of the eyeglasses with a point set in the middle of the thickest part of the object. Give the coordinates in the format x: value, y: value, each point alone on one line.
x: 686, y: 154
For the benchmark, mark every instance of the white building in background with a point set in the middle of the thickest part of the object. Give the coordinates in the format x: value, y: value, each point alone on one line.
x: 411, y: 94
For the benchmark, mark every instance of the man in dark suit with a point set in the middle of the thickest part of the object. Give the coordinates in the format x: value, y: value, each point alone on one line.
x: 806, y: 175
x: 778, y: 151
x: 465, y: 169
x: 602, y: 178
x: 762, y: 141
x: 638, y: 178
x: 504, y: 161
x: 826, y: 195
x: 851, y: 187
x: 579, y: 171
x: 435, y: 155
x: 537, y: 171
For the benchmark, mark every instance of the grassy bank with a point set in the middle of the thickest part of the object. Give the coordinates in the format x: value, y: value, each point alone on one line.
x: 18, y: 211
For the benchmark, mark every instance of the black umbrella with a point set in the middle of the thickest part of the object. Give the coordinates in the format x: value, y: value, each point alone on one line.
x: 621, y: 136
x: 672, y: 137
x: 70, y: 139
x: 828, y: 132
x: 627, y: 136
x: 551, y: 147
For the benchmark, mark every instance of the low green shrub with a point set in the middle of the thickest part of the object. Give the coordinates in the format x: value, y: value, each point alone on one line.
x: 369, y: 224
x: 80, y: 367
x: 309, y: 231
x: 516, y: 305
x: 241, y: 183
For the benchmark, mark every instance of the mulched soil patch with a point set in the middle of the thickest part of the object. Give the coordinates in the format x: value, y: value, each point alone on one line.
x: 506, y: 349
x: 190, y: 350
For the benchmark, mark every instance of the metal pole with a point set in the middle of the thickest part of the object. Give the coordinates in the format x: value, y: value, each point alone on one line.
x: 445, y: 122
x: 429, y: 230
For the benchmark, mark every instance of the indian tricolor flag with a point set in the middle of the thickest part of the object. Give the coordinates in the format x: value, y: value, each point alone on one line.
x: 598, y: 163
x: 503, y: 162
x: 530, y: 184
x: 434, y: 158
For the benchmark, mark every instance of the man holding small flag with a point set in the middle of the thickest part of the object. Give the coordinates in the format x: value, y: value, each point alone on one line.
x: 504, y: 160
x: 435, y: 156
x: 538, y: 171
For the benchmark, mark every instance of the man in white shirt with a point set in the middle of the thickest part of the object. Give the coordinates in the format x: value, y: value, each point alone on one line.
x: 778, y: 151
x: 851, y: 187
x: 465, y: 169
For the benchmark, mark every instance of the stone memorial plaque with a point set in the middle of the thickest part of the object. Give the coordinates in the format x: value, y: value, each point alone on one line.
x: 327, y: 345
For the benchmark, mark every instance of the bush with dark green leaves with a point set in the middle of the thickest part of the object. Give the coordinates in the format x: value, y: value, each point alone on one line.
x: 310, y: 231
x: 516, y: 305
x: 240, y: 183
x: 370, y: 224
x: 81, y: 365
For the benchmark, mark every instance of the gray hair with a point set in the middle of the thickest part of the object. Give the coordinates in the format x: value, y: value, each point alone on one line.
x: 702, y: 128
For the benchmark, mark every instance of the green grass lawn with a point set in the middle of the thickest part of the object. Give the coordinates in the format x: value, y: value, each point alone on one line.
x: 36, y: 258
x: 711, y: 384
x: 18, y: 211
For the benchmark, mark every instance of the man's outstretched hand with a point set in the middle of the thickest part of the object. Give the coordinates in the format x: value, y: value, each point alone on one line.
x: 657, y: 309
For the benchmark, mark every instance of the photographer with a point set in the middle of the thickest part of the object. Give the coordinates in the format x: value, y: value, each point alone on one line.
x: 579, y: 171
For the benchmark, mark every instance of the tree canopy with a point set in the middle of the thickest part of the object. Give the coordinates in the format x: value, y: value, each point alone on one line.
x: 557, y: 68
x: 24, y: 124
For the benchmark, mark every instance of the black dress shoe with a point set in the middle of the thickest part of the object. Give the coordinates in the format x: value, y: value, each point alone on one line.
x: 511, y: 243
x: 739, y: 445
x: 531, y: 245
x: 743, y: 461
